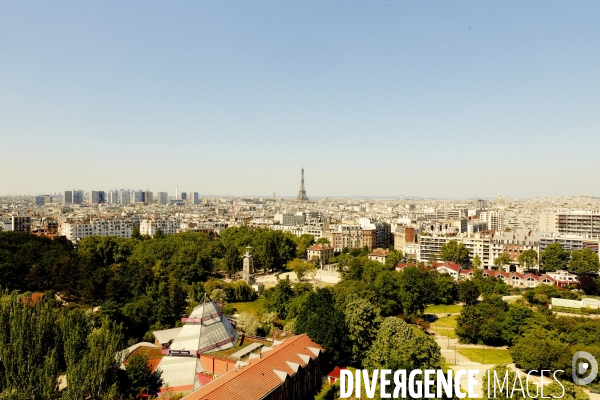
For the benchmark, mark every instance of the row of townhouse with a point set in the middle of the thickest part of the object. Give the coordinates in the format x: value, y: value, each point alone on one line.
x: 514, y: 279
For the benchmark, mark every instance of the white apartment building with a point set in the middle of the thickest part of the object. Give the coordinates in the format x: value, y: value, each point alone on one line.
x: 290, y: 219
x: 583, y: 222
x: 317, y: 231
x: 570, y: 242
x: 167, y: 226
x: 494, y: 219
x: 429, y: 245
x: 75, y: 231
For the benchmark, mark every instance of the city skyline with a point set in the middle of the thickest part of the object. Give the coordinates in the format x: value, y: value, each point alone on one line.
x: 415, y: 99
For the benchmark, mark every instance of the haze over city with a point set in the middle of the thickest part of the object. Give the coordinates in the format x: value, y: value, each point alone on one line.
x: 446, y: 100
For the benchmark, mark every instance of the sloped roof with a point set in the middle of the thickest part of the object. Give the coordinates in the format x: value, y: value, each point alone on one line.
x: 166, y: 335
x: 449, y: 265
x: 261, y: 375
x: 320, y: 247
x: 380, y: 253
x: 215, y: 328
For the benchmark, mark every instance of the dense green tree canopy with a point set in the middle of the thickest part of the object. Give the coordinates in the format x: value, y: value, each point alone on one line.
x: 455, y: 252
x: 554, y: 257
x: 399, y: 346
x: 584, y: 261
x: 528, y: 259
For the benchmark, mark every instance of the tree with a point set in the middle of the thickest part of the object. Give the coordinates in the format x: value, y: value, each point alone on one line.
x: 432, y: 259
x: 588, y: 285
x: 528, y: 259
x: 584, y: 261
x: 468, y: 292
x: 515, y: 322
x: 502, y: 260
x: 95, y: 371
x: 232, y: 260
x: 398, y: 346
x: 416, y: 289
x: 468, y: 323
x: 301, y: 268
x: 482, y: 323
x: 455, y: 252
x: 135, y: 234
x: 445, y: 289
x: 322, y: 240
x: 140, y: 378
x: 363, y: 320
x: 277, y: 298
x: 29, y: 347
x: 159, y: 234
x: 538, y: 349
x: 571, y: 392
x: 247, y: 323
x: 554, y: 257
x: 476, y: 262
x: 219, y: 296
x: 324, y: 323
x: 393, y: 258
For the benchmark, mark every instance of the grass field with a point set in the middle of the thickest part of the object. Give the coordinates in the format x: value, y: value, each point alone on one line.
x: 252, y: 307
x: 490, y: 356
x: 442, y: 308
x: 449, y: 332
x: 445, y: 322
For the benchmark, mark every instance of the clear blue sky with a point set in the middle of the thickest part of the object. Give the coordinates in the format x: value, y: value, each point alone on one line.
x: 422, y: 98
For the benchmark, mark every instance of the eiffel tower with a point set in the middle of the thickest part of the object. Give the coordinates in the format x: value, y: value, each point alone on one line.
x: 302, y: 193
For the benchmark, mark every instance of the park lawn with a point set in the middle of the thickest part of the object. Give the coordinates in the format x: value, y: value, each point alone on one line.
x: 443, y: 309
x: 490, y: 356
x: 445, y: 322
x: 253, y: 307
x: 448, y: 332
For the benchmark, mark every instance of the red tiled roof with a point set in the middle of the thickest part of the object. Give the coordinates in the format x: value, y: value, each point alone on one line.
x: 449, y: 265
x: 256, y: 380
x: 380, y: 253
x: 546, y: 276
x: 320, y: 247
x: 404, y: 265
x: 335, y: 373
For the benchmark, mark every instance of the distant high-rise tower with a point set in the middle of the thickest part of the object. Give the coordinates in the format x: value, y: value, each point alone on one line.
x: 68, y: 197
x: 302, y: 193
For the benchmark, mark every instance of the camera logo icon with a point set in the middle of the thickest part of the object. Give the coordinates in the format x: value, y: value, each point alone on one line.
x: 582, y: 367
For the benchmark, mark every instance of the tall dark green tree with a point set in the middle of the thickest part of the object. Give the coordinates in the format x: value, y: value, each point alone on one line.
x: 29, y: 349
x: 324, y: 323
x: 584, y: 261
x: 554, y: 257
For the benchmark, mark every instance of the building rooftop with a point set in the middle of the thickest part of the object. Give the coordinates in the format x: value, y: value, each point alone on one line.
x: 259, y: 376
